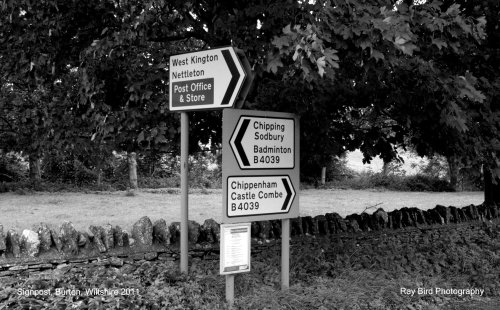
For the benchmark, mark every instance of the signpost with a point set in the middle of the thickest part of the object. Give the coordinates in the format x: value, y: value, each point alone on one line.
x: 209, y: 79
x: 204, y: 80
x: 260, y: 165
x: 260, y: 170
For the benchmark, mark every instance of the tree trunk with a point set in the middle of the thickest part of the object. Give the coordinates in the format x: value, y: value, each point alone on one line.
x: 491, y: 190
x: 34, y: 165
x: 132, y: 169
x: 323, y: 176
x: 385, y: 168
x: 453, y: 169
x: 99, y: 178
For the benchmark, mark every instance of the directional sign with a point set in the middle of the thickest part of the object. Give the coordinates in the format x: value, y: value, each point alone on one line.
x: 259, y: 195
x: 264, y: 142
x: 209, y: 79
x: 260, y: 166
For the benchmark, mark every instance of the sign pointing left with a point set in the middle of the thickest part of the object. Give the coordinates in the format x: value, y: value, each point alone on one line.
x: 209, y: 79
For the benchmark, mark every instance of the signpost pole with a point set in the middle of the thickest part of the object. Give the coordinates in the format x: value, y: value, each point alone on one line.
x: 230, y: 290
x: 285, y: 254
x: 184, y: 190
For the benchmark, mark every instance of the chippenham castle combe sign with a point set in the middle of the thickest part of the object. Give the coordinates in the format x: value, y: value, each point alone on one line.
x: 209, y: 79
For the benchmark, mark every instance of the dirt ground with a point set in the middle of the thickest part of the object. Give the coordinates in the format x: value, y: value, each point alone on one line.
x: 84, y: 209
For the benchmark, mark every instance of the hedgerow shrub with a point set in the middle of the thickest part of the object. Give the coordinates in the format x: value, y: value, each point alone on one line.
x: 413, y: 183
x: 13, y: 168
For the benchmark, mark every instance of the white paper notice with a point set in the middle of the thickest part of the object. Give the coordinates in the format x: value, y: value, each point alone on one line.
x: 235, y: 248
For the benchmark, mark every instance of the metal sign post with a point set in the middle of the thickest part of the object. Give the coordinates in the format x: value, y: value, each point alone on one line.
x: 184, y: 190
x: 203, y: 80
x: 260, y: 171
x: 285, y: 254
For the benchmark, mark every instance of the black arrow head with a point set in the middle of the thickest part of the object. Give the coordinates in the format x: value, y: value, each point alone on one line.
x: 235, y: 76
x: 288, y: 193
x: 239, y: 146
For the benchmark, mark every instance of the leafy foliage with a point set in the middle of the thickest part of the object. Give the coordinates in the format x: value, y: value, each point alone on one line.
x: 93, y: 77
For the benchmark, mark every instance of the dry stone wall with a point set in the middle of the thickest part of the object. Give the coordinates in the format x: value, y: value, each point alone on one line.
x: 49, y: 247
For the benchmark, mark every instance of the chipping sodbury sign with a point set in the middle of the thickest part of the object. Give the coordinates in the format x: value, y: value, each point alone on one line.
x: 208, y: 79
x: 264, y: 143
x: 260, y: 165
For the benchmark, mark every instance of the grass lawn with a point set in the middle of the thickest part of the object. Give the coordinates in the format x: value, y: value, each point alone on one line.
x: 84, y: 209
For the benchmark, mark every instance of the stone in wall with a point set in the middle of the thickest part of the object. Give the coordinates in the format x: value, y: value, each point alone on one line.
x: 494, y: 211
x: 84, y: 240
x: 484, y: 212
x: 380, y: 219
x: 69, y: 238
x: 432, y: 216
x: 193, y: 231
x: 396, y: 219
x: 126, y: 238
x: 455, y: 218
x: 461, y: 215
x: 265, y: 229
x: 418, y: 216
x: 276, y: 228
x: 96, y: 233
x: 313, y: 226
x: 255, y: 230
x: 13, y: 243
x: 211, y: 231
x: 322, y: 224
x: 118, y: 236
x: 56, y: 238
x: 471, y: 212
x: 108, y: 236
x: 353, y: 222
x: 444, y: 212
x: 365, y: 222
x: 353, y: 226
x: 296, y: 227
x: 406, y: 218
x: 175, y: 231
x: 161, y: 232
x: 307, y: 225
x: 142, y: 231
x: 3, y: 246
x: 336, y: 223
x: 30, y: 243
x: 45, y: 237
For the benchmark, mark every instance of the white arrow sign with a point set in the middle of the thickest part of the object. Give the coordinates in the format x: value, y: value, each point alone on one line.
x: 264, y: 143
x: 259, y: 195
x: 209, y: 79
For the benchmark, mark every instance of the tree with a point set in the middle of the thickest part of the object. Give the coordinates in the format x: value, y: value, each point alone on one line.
x: 364, y: 75
x: 413, y: 57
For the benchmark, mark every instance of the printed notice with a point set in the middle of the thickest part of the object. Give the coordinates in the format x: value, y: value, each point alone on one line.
x: 235, y: 248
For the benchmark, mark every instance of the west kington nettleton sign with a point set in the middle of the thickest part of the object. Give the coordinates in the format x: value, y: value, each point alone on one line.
x: 209, y: 79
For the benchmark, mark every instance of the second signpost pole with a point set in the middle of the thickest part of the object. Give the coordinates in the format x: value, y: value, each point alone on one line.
x: 184, y: 190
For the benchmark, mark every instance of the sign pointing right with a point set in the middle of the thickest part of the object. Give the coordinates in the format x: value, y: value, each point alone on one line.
x: 259, y: 195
